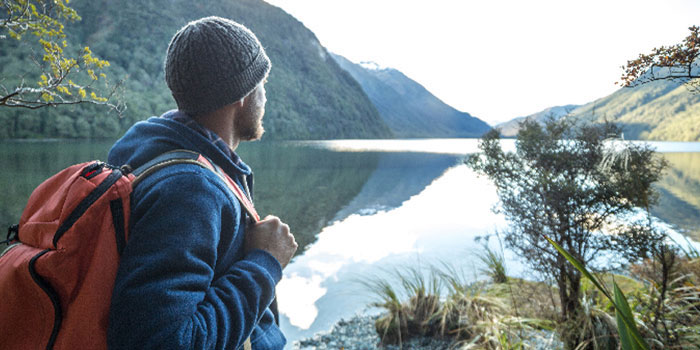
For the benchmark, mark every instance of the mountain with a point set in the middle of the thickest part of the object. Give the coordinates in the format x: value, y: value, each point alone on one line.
x: 659, y: 110
x: 309, y: 95
x: 407, y: 107
x: 511, y: 128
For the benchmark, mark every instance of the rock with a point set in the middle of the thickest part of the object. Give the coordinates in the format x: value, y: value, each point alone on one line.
x: 358, y: 333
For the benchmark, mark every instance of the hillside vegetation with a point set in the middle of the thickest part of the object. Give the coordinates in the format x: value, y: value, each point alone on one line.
x: 408, y: 108
x: 309, y: 95
x: 659, y: 110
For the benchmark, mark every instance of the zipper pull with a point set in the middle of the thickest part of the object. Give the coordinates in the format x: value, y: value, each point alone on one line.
x: 92, y: 170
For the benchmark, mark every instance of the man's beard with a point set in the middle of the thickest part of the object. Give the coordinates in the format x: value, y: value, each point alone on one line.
x: 248, y: 126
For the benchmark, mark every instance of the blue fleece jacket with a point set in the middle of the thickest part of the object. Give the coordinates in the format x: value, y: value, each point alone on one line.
x: 184, y: 280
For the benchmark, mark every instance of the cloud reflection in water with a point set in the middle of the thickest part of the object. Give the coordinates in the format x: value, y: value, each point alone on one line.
x: 439, y: 223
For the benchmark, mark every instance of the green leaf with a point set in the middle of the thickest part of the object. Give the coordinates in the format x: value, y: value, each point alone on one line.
x: 626, y: 326
x: 579, y: 267
x: 622, y: 330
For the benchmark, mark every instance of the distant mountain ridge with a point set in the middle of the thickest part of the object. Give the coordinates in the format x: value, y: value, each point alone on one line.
x: 511, y: 128
x: 407, y: 107
x: 659, y: 110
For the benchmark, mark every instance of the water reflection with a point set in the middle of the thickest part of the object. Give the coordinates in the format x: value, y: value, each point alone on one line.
x: 305, y: 186
x: 438, y: 224
x: 357, y: 207
x: 24, y: 165
x: 679, y: 189
x: 398, y: 177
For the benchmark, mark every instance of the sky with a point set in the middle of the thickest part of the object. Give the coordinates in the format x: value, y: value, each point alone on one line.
x: 499, y: 59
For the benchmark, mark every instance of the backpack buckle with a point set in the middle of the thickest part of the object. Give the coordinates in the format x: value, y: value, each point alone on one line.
x: 12, y: 234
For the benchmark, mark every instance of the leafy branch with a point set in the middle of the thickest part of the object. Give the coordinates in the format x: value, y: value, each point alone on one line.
x: 675, y: 62
x: 63, y: 78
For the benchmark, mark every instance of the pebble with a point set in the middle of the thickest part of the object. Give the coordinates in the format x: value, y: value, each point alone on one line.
x: 358, y: 333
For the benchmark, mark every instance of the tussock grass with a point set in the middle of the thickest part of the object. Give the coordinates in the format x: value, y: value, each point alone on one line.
x: 495, y: 264
x: 437, y: 302
x: 669, y: 303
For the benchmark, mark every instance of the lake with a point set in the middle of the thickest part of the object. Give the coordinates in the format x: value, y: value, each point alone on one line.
x: 360, y: 208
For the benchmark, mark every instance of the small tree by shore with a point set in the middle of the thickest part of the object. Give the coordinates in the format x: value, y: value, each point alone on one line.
x: 573, y: 184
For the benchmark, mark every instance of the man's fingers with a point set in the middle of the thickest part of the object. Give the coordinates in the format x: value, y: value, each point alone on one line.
x: 270, y: 218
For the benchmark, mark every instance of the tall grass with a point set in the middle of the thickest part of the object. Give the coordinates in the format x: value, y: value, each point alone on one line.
x: 659, y: 308
x: 670, y: 302
x: 417, y: 316
x: 630, y: 337
x: 437, y: 302
x: 495, y: 265
x: 667, y: 314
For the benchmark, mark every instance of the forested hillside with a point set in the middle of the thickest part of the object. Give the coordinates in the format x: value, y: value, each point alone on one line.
x: 309, y: 95
x: 408, y: 108
x: 659, y: 110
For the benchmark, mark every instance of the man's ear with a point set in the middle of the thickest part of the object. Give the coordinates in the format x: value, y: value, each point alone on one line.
x: 240, y: 102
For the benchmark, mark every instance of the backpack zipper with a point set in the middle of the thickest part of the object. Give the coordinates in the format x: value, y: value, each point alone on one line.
x: 51, y: 293
x: 92, y: 170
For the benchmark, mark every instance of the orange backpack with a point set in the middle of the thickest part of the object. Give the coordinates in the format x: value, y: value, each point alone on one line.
x: 57, y: 275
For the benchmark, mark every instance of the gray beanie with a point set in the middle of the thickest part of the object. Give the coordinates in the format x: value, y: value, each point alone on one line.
x: 213, y: 62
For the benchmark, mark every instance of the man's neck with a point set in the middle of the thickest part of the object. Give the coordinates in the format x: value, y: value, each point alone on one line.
x: 221, y: 122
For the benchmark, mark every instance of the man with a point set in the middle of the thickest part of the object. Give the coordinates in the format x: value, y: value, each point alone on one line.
x: 195, y: 273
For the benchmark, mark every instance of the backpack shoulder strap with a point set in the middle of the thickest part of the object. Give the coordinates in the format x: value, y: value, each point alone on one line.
x: 189, y: 157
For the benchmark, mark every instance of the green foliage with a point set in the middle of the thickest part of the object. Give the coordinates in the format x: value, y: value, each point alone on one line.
x: 630, y: 337
x: 577, y: 186
x: 495, y: 264
x: 60, y: 75
x: 669, y: 302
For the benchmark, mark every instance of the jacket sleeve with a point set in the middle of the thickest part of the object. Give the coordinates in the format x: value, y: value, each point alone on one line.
x: 166, y: 295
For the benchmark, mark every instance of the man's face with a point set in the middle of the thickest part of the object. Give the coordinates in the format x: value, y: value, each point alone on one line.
x: 248, y: 125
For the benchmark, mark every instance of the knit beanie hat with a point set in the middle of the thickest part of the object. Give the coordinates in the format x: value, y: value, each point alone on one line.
x: 213, y: 62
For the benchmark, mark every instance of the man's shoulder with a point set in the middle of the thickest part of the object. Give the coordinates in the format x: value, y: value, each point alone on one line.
x: 184, y: 178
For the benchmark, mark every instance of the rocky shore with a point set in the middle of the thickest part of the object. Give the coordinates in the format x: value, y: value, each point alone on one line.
x: 358, y: 333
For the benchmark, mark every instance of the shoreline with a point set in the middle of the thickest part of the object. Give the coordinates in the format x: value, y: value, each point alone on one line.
x: 358, y: 333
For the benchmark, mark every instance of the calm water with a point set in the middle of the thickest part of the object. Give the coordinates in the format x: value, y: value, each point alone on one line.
x: 359, y: 208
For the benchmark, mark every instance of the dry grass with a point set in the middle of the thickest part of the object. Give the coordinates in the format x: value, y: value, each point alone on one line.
x: 437, y: 302
x: 670, y: 307
x: 474, y: 316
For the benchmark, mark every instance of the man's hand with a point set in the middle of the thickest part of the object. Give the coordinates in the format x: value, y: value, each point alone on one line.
x: 272, y: 236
